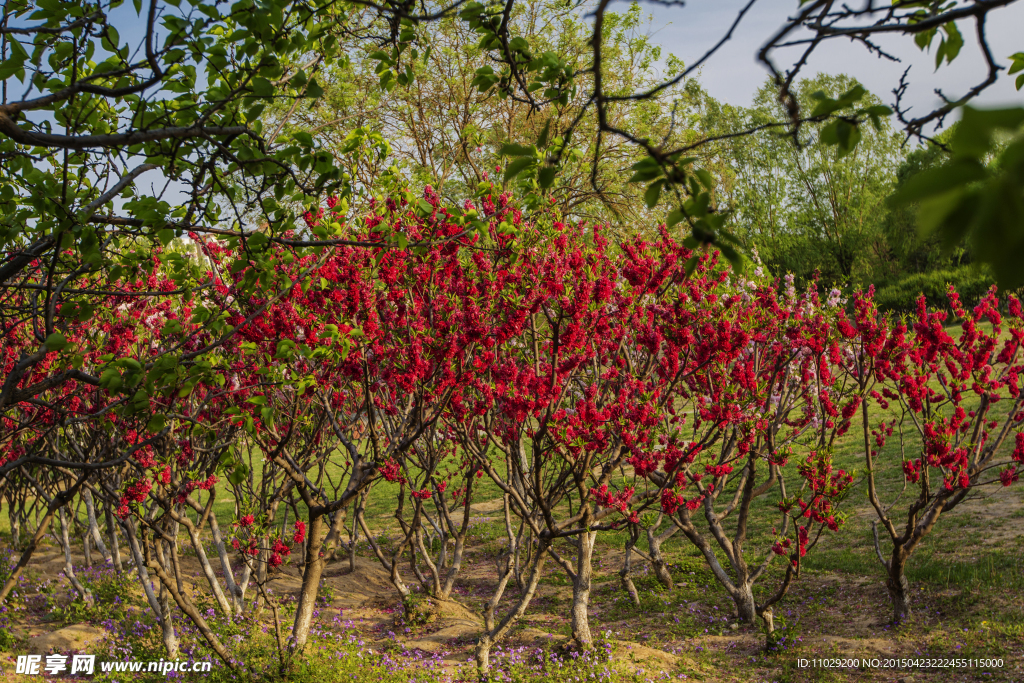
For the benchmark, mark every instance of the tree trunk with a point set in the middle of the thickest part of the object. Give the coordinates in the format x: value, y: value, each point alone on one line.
x: 87, y: 549
x: 626, y: 573
x: 235, y: 591
x: 358, y: 505
x: 899, y: 587
x: 204, y: 564
x: 492, y: 633
x: 69, y: 570
x: 579, y: 618
x: 390, y: 565
x: 167, y: 624
x: 433, y: 584
x: 51, y: 509
x: 157, y: 604
x: 743, y: 597
x: 354, y: 538
x: 661, y: 571
x: 15, y: 520
x: 172, y: 551
x: 333, y: 541
x: 163, y: 557
x: 261, y: 577
x: 194, y: 615
x: 314, y: 567
x: 94, y: 528
x: 115, y: 549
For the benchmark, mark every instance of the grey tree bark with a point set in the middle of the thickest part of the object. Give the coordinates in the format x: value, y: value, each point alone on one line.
x: 69, y: 570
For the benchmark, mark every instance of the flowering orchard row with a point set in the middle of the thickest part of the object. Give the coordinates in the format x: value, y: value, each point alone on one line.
x: 598, y: 386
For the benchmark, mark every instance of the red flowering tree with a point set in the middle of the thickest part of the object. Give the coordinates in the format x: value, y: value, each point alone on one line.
x: 109, y: 340
x: 757, y: 410
x: 436, y: 530
x: 954, y: 402
x: 566, y: 402
x: 364, y: 361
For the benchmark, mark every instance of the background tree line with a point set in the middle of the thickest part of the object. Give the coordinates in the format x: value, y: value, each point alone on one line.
x: 806, y: 208
x: 808, y: 211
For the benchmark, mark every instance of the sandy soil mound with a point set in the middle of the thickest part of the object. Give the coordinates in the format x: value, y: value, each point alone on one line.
x: 76, y: 637
x: 451, y: 622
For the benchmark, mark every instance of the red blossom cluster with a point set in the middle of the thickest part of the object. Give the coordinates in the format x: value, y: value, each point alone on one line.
x: 611, y: 499
x: 278, y: 552
x: 445, y: 359
x: 951, y: 384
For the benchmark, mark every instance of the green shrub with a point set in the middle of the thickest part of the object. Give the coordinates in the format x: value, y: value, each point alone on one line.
x: 112, y: 593
x: 419, y: 610
x: 901, y: 296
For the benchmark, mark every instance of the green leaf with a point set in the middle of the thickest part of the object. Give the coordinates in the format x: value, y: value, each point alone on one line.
x: 171, y: 327
x: 542, y: 141
x: 950, y: 46
x: 1018, y: 63
x: 303, y: 138
x: 645, y: 173
x: 155, y: 424
x: 257, y: 240
x: 110, y: 379
x: 165, y: 236
x: 705, y: 178
x: 878, y: 110
x: 849, y: 136
x: 734, y: 257
x: 934, y: 212
x: 852, y: 95
x: 519, y: 44
x: 697, y: 206
x: 238, y: 474
x: 937, y: 181
x: 653, y: 193
x: 261, y: 87
x: 924, y: 39
x: 314, y: 90
x: 546, y: 176
x: 285, y: 349
x: 518, y: 166
x: 875, y: 113
x: 85, y: 311
x: 973, y: 136
x: 674, y: 217
x: 842, y: 134
x: 826, y: 105
x: 691, y: 264
x: 55, y: 342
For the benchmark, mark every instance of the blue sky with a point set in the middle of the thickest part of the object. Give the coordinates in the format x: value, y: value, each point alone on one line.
x: 733, y: 74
